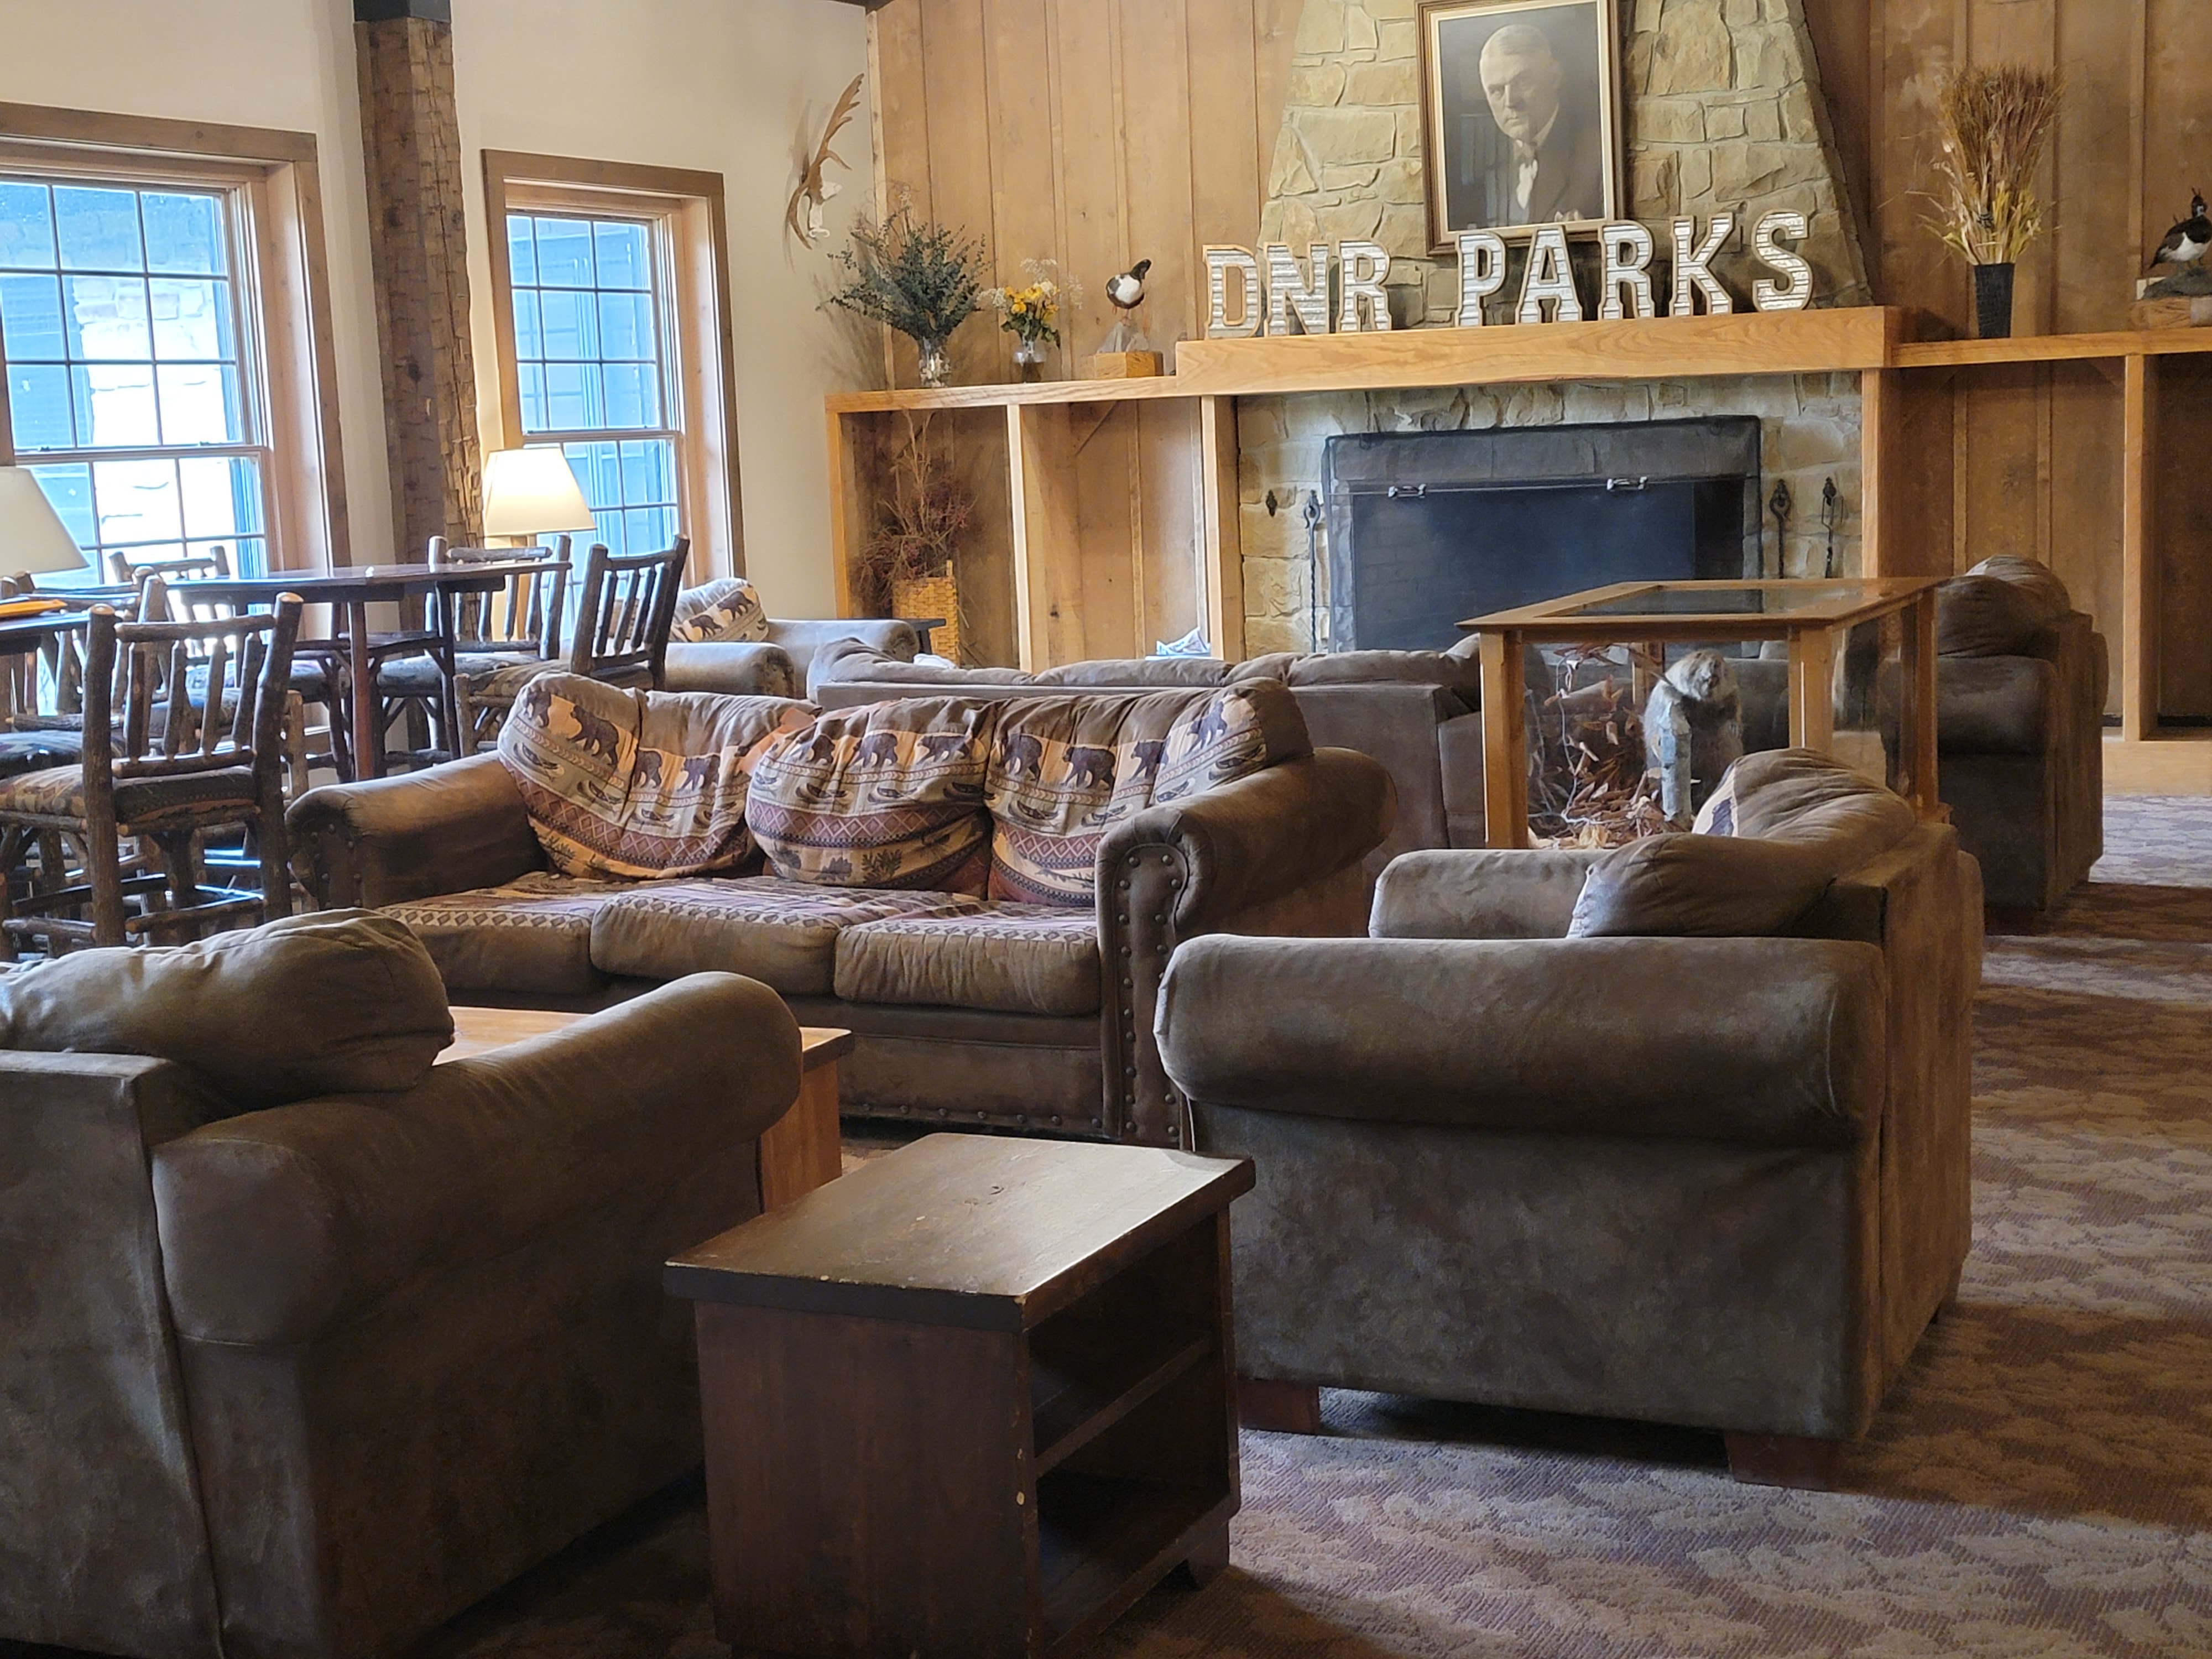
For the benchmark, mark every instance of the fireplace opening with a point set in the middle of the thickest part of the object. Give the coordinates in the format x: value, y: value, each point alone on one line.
x: 1426, y: 529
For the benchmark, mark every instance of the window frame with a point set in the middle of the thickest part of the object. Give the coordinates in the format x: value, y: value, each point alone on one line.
x: 287, y: 363
x: 698, y: 371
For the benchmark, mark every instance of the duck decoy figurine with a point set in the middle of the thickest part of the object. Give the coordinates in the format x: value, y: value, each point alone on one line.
x: 1127, y: 291
x: 2186, y: 242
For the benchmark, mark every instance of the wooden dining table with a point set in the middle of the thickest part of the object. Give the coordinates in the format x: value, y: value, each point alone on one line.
x: 350, y: 592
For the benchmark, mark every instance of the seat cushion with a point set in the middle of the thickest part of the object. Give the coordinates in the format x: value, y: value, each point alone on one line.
x: 638, y: 784
x: 38, y: 752
x: 1064, y: 770
x: 1989, y: 616
x: 728, y: 610
x: 887, y: 795
x: 1994, y: 705
x: 530, y: 936
x: 338, y: 1002
x: 1013, y: 958
x: 59, y: 793
x: 418, y: 677
x: 783, y: 934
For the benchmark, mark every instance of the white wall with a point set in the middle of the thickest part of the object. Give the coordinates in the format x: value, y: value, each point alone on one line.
x: 282, y: 64
x: 725, y: 86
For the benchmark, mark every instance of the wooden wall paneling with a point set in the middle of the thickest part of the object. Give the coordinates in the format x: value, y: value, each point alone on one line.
x: 2184, y: 482
x: 2001, y: 423
x: 899, y: 99
x: 1906, y: 472
x: 1917, y: 45
x: 963, y: 163
x: 1104, y: 564
x: 977, y: 438
x: 2097, y: 174
x: 1843, y: 33
x: 2084, y: 517
x: 1049, y: 623
x: 850, y: 436
x: 1172, y: 514
x: 2025, y: 32
x: 1155, y: 71
x: 2139, y: 562
x: 1025, y: 132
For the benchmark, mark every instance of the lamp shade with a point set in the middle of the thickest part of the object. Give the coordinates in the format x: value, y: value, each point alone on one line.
x: 32, y: 537
x: 532, y: 492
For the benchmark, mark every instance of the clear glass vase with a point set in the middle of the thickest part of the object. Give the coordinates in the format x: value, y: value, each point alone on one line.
x: 936, y: 365
x: 1029, y: 358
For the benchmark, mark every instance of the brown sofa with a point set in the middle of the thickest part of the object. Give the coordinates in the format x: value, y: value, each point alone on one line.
x: 1717, y: 1179
x: 310, y: 1346
x: 1025, y: 1011
x: 1415, y: 711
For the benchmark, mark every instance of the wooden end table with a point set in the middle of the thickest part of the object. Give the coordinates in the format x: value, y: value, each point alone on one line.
x: 970, y: 1401
x: 799, y: 1151
x: 1809, y: 616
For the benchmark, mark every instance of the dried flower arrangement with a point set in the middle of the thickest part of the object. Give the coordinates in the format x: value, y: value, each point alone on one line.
x: 922, y: 279
x: 926, y: 517
x: 1031, y: 313
x: 1994, y: 124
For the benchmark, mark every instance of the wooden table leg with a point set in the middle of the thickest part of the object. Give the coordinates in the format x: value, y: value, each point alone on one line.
x: 1813, y: 688
x: 1504, y: 741
x: 367, y: 729
x: 1916, y: 735
x: 803, y: 1149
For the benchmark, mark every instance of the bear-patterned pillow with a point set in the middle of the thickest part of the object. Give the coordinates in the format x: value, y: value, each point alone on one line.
x: 1065, y: 770
x: 721, y: 612
x: 887, y: 795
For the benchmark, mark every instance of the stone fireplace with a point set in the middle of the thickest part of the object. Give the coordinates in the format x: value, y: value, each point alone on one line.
x: 1723, y: 109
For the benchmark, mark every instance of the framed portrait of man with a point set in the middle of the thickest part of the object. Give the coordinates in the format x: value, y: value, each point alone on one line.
x: 1520, y: 113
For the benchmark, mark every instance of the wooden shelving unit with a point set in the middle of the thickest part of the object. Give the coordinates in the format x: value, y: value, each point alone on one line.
x: 1121, y: 505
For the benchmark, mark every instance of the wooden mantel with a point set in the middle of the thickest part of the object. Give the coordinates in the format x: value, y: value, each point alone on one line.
x: 1081, y: 589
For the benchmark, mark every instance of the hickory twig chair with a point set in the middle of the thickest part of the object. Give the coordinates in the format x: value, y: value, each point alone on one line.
x: 168, y: 766
x: 628, y: 608
x: 503, y: 639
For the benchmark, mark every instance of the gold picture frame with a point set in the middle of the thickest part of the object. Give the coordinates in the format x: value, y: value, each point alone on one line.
x: 1553, y: 70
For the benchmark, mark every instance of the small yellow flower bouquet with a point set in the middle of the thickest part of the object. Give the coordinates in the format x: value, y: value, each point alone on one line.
x: 1031, y: 313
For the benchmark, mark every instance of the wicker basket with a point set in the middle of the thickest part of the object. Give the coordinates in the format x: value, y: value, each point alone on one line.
x: 932, y: 596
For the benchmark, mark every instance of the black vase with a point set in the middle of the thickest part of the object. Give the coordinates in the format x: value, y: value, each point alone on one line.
x: 1993, y: 302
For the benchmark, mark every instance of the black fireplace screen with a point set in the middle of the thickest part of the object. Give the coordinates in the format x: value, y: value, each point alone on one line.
x: 1426, y: 529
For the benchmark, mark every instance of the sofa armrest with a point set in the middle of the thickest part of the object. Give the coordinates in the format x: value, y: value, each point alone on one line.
x: 277, y: 1225
x: 1276, y: 851
x: 731, y: 668
x: 450, y: 830
x: 1497, y: 894
x: 1764, y: 1041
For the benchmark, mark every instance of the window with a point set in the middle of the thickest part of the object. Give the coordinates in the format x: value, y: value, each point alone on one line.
x: 590, y: 339
x: 128, y: 389
x: 162, y: 296
x: 613, y: 337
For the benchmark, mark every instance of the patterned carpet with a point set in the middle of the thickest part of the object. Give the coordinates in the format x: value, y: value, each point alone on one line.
x: 2041, y: 1485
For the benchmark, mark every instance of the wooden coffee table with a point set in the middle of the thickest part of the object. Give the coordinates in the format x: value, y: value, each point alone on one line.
x: 970, y: 1401
x: 799, y: 1151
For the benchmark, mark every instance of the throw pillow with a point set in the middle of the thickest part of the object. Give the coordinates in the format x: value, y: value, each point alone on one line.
x: 638, y: 784
x: 721, y: 612
x: 1802, y: 796
x: 338, y: 1002
x: 887, y: 795
x: 1696, y: 886
x: 1990, y: 616
x: 2043, y: 587
x: 1065, y: 770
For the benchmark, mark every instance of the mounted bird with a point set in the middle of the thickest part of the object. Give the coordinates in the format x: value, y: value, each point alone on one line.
x: 803, y: 217
x: 1127, y: 291
x: 2185, y: 245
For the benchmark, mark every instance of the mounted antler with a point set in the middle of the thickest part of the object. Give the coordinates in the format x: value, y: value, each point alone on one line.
x: 814, y: 192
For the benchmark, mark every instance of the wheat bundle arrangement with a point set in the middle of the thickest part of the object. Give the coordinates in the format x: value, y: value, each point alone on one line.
x: 1994, y: 124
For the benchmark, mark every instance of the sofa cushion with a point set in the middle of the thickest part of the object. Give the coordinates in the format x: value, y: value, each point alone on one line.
x: 850, y: 661
x: 1990, y: 616
x: 1691, y: 886
x: 758, y: 669
x: 1161, y: 673
x: 889, y: 794
x: 1013, y: 958
x: 1803, y: 796
x: 1994, y: 705
x: 338, y: 1002
x: 728, y: 610
x: 638, y: 784
x: 530, y: 936
x: 1064, y: 770
x: 2043, y: 586
x: 783, y: 934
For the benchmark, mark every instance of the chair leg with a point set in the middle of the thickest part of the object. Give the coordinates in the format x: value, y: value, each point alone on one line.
x: 296, y: 745
x: 275, y: 859
x: 103, y: 858
x: 180, y: 863
x: 11, y: 851
x: 1783, y: 1460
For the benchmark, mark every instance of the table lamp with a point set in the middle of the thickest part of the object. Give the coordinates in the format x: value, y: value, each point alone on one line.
x: 532, y: 493
x: 33, y: 540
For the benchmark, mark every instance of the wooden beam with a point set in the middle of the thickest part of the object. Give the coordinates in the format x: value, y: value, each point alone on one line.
x: 418, y: 244
x: 2139, y: 572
